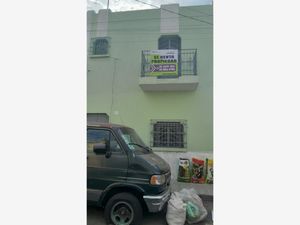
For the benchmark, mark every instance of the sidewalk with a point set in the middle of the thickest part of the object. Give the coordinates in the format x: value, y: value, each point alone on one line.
x: 201, y: 189
x: 95, y: 216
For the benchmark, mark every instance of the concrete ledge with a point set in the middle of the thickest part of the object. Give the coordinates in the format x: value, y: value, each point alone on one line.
x: 182, y: 83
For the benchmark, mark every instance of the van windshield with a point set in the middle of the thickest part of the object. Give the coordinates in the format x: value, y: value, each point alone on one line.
x: 133, y: 141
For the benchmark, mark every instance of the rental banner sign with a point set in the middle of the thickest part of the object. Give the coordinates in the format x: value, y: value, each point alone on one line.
x: 161, y: 62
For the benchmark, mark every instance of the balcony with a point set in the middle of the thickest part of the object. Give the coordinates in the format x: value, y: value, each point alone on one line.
x: 169, y: 70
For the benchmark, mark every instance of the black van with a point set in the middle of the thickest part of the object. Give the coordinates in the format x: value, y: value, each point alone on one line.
x: 124, y: 175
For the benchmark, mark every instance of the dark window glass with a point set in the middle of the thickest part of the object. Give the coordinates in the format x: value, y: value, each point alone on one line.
x: 169, y: 42
x: 100, y: 47
x: 133, y: 141
x: 101, y: 136
x: 97, y: 136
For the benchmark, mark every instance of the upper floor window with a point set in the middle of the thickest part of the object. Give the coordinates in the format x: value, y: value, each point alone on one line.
x: 99, y: 46
x: 169, y: 42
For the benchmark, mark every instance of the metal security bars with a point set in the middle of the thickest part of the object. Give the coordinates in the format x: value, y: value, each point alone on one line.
x: 99, y: 46
x: 187, y: 62
x: 168, y: 134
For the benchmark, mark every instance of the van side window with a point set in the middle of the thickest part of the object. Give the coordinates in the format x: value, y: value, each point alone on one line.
x: 114, y: 145
x: 96, y: 136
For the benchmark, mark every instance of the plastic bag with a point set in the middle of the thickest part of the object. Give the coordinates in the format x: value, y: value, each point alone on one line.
x: 176, y: 211
x: 195, y: 210
x: 192, y: 211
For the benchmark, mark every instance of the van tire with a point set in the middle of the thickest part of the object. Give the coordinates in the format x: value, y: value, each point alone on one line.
x: 125, y: 201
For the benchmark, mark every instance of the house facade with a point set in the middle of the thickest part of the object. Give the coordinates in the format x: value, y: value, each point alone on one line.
x: 152, y: 70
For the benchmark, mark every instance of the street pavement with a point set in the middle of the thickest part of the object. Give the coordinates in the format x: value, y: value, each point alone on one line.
x: 95, y: 216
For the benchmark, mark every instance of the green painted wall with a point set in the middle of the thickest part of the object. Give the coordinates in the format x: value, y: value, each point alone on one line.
x: 113, y: 82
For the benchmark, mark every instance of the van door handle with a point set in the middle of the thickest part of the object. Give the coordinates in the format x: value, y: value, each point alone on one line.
x: 87, y: 157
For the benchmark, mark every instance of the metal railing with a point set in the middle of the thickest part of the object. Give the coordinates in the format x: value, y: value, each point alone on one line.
x: 187, y: 63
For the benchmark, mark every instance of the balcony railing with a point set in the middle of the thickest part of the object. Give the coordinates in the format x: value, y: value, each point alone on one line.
x: 187, y: 64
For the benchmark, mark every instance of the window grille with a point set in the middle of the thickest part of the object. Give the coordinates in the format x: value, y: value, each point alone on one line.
x: 168, y: 134
x: 99, y: 46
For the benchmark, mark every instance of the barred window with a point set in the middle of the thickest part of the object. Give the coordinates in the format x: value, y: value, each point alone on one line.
x: 169, y: 134
x: 169, y: 42
x: 99, y: 46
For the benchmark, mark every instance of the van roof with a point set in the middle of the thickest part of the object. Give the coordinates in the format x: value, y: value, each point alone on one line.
x: 106, y: 125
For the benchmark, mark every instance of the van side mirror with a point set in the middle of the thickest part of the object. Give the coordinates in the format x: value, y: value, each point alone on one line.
x: 99, y: 148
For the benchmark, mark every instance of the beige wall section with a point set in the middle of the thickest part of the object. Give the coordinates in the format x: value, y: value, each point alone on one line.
x: 102, y: 22
x: 169, y: 22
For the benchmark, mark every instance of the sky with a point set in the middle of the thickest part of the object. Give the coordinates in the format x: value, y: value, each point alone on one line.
x: 127, y: 5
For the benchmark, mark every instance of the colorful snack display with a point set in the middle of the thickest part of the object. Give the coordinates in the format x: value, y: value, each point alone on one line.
x: 198, y: 175
x: 209, y: 171
x: 184, y: 170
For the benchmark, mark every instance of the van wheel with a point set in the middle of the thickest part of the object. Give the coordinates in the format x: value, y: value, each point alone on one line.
x: 123, y: 209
